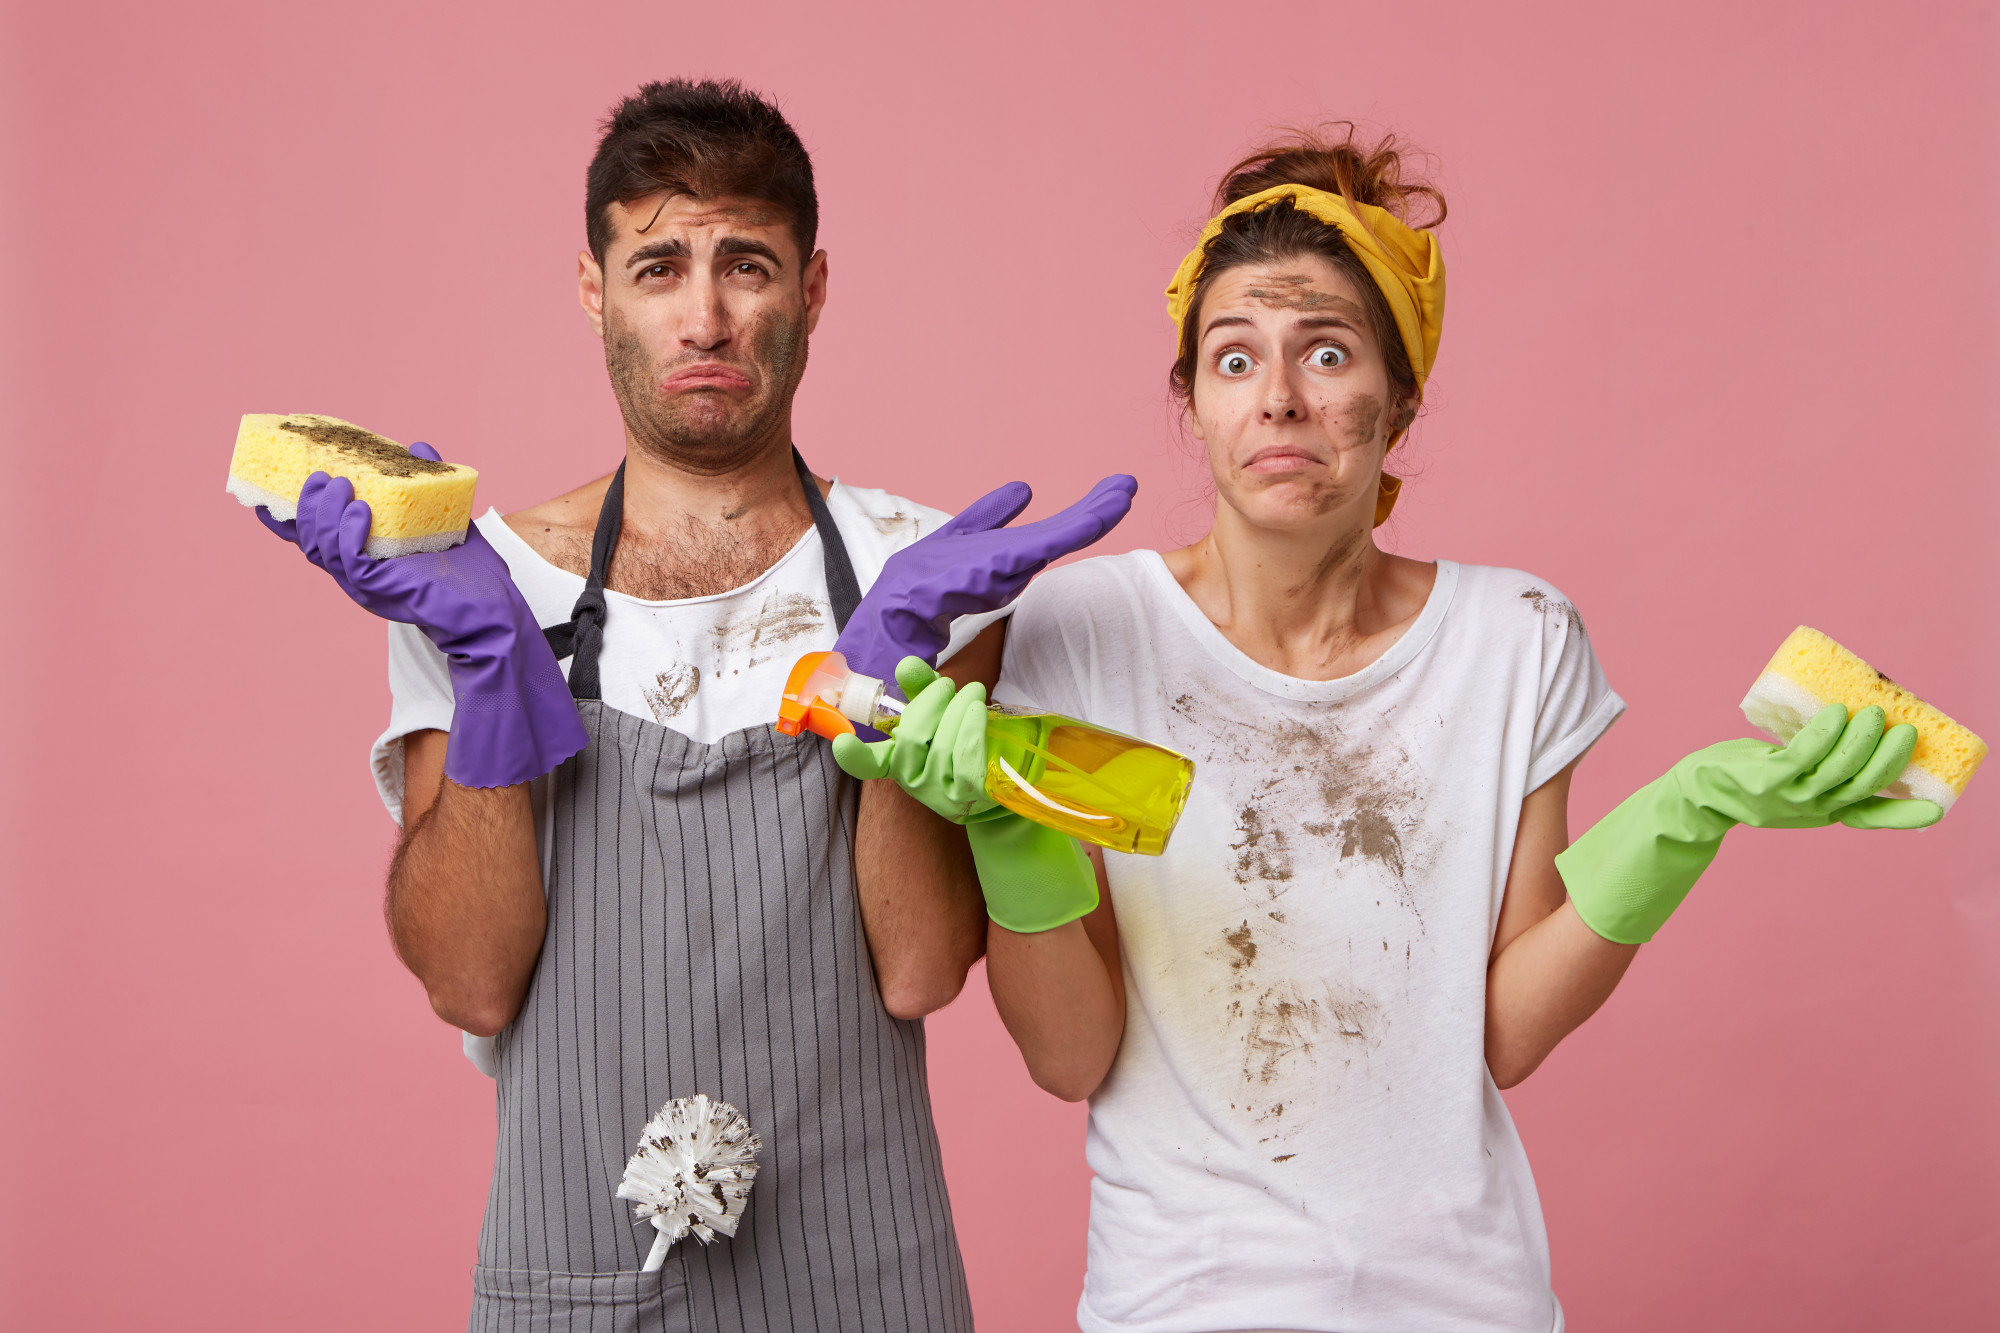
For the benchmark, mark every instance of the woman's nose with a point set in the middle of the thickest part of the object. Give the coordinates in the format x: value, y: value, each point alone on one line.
x: 1280, y: 403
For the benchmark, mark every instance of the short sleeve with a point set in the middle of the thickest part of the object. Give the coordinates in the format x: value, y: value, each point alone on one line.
x: 875, y: 525
x: 1576, y: 703
x: 420, y: 699
x: 1038, y: 668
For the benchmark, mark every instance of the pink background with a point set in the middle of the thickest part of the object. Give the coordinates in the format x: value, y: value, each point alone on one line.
x: 1720, y: 360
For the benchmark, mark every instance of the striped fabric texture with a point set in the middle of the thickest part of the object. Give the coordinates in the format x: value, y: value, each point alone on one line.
x: 704, y: 936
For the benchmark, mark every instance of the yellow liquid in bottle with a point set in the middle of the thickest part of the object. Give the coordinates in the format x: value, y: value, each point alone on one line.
x: 1093, y: 784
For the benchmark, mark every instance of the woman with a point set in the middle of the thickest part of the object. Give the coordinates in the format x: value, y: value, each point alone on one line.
x: 1293, y: 1026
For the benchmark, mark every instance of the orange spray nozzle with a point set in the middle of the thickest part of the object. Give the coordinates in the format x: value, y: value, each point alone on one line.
x: 812, y: 695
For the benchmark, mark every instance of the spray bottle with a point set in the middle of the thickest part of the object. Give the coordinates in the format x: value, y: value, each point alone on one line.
x: 1089, y: 782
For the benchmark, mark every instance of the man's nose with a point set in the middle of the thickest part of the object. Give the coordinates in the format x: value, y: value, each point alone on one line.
x: 706, y: 326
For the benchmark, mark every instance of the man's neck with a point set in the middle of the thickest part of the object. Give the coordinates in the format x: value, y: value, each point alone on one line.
x: 664, y: 502
x: 685, y: 533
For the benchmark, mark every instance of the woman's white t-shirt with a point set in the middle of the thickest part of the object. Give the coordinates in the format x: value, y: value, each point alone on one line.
x: 1299, y: 1130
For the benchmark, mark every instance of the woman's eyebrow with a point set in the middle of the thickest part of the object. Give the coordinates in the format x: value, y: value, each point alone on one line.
x: 1328, y: 322
x: 1224, y: 321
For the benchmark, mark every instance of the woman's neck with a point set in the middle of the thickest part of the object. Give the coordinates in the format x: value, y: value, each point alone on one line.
x: 1314, y: 603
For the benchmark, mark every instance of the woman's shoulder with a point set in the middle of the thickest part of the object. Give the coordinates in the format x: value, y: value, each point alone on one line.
x: 1496, y: 587
x: 1096, y: 584
x: 1500, y: 606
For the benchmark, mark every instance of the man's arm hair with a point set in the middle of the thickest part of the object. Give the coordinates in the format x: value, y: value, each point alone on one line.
x: 465, y: 902
x: 920, y: 901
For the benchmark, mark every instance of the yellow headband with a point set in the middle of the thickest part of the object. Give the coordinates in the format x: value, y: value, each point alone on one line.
x: 1406, y: 264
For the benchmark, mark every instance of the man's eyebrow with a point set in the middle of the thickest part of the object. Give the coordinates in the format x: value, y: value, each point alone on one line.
x: 668, y: 249
x: 743, y: 245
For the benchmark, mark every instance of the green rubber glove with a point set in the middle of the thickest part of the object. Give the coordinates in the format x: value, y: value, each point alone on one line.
x: 1034, y: 878
x: 1632, y: 869
x: 937, y: 752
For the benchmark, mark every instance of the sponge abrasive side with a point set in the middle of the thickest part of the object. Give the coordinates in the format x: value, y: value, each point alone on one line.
x: 1810, y: 671
x: 417, y: 504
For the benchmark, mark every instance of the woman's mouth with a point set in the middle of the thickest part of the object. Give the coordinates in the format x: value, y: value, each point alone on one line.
x: 1280, y: 459
x: 705, y: 375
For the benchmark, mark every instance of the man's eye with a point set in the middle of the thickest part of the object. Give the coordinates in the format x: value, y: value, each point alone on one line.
x: 1328, y: 357
x: 1234, y: 363
x: 656, y: 271
x: 748, y: 267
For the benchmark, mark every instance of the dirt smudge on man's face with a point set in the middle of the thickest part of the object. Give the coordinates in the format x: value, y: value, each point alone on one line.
x: 707, y: 431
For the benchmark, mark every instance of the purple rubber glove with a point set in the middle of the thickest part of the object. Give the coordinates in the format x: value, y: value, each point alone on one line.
x: 973, y: 563
x: 513, y: 718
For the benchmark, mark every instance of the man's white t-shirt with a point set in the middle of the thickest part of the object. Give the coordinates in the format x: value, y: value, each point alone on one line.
x: 704, y: 666
x: 1299, y: 1131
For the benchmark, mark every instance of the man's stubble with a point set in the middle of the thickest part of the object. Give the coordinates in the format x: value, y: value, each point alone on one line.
x: 708, y: 433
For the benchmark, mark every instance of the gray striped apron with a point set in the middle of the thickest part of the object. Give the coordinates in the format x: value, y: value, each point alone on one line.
x: 704, y: 936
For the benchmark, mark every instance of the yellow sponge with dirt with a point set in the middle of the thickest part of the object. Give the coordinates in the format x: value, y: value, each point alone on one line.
x: 417, y: 504
x: 1811, y: 671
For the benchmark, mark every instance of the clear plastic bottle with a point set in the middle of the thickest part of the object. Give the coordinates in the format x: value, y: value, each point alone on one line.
x: 1092, y: 783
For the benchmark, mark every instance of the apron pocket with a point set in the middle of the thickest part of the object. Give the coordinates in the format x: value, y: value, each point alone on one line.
x: 533, y: 1301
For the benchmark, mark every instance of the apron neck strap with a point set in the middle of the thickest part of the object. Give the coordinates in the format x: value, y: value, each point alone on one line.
x: 843, y: 590
x: 582, y: 636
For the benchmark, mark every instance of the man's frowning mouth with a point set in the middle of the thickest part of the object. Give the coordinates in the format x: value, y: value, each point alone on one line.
x: 715, y: 375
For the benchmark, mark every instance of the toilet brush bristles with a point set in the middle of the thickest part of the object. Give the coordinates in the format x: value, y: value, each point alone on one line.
x: 692, y: 1172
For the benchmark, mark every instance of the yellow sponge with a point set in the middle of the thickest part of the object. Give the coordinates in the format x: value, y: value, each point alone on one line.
x: 417, y: 505
x: 1811, y: 671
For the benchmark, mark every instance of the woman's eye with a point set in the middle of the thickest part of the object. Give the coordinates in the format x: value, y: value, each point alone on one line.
x: 1326, y: 358
x: 1234, y: 363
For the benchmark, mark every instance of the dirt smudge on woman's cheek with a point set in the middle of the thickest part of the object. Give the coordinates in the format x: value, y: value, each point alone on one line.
x: 1363, y: 420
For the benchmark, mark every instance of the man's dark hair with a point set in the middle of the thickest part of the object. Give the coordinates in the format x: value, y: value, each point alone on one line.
x: 710, y: 140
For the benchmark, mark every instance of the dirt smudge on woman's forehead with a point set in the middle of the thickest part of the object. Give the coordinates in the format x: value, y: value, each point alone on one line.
x: 1295, y: 291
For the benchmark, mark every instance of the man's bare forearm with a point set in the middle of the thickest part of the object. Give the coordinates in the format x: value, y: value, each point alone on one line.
x: 920, y: 901
x: 465, y: 903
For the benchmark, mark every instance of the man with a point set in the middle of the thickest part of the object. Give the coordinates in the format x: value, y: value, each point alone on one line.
x: 690, y: 902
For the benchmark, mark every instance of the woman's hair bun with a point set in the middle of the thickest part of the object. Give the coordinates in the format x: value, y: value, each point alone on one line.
x: 1332, y: 158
